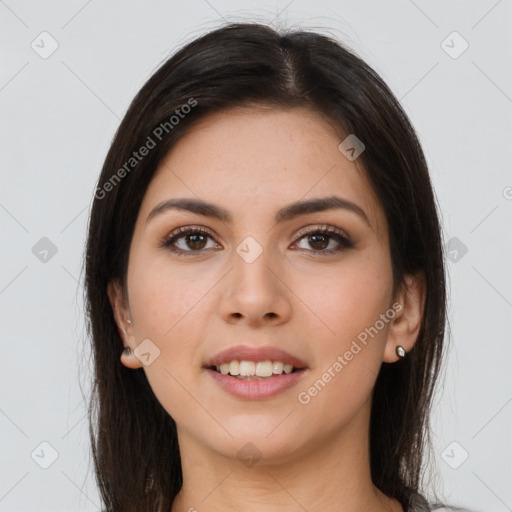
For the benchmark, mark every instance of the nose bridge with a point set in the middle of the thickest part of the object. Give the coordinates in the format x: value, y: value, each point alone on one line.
x: 252, y: 263
x: 254, y: 291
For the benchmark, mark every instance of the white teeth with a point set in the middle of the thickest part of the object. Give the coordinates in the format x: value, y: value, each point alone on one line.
x: 234, y: 368
x: 247, y: 368
x: 277, y: 367
x: 264, y: 369
x: 243, y: 369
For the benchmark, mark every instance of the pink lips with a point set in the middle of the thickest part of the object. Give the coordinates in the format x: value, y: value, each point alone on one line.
x: 256, y: 389
x: 246, y: 353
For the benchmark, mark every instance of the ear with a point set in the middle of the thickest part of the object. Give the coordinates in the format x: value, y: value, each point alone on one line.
x: 405, y: 326
x: 122, y: 317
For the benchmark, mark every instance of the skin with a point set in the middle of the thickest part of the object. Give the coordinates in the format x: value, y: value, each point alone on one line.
x: 254, y: 161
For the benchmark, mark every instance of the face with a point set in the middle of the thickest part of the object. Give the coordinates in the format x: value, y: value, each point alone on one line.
x: 316, y: 284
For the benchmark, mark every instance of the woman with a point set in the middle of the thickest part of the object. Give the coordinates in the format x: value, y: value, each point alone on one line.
x: 265, y: 286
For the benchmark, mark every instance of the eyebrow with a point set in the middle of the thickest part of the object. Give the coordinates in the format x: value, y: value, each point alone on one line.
x: 286, y: 213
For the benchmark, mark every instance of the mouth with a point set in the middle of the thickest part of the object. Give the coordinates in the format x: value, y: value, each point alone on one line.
x: 254, y: 370
x: 255, y: 373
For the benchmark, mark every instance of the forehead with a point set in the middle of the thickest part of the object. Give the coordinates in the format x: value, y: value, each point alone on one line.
x: 255, y: 160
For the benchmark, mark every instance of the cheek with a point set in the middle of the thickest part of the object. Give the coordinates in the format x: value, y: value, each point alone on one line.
x: 166, y: 307
x: 165, y: 300
x: 164, y: 296
x: 346, y: 298
x: 349, y: 299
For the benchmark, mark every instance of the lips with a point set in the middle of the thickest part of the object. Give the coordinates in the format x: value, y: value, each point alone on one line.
x: 247, y: 353
x: 255, y: 388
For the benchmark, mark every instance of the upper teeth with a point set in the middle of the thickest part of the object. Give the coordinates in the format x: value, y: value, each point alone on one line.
x: 250, y: 368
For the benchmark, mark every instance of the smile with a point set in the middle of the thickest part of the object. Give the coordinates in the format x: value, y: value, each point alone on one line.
x: 255, y: 373
x: 254, y: 370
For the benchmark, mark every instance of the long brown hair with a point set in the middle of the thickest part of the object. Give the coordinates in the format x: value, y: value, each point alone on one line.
x: 134, y: 442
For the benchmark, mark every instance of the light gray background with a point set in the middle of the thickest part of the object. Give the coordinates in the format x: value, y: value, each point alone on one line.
x: 58, y: 116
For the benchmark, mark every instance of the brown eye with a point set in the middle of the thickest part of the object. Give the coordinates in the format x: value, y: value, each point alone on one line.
x: 195, y: 242
x: 319, y: 241
x: 187, y: 240
x: 321, y: 238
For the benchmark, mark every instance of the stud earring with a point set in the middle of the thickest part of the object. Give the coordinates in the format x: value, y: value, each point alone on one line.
x: 129, y: 321
x: 127, y: 351
x: 400, y: 351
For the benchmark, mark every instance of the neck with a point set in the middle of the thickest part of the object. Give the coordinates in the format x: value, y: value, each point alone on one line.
x: 333, y: 474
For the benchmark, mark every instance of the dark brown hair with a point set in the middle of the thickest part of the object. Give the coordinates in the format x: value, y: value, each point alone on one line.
x: 134, y: 443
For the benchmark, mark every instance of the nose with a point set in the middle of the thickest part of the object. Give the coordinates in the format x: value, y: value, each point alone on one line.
x: 255, y: 293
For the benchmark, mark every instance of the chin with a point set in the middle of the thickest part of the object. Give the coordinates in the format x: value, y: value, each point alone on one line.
x: 269, y: 440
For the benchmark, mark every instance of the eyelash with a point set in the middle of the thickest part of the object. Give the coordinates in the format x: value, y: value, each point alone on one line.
x: 168, y: 241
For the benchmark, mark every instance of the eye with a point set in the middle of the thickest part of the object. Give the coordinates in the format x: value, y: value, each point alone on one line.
x: 194, y: 240
x: 321, y: 237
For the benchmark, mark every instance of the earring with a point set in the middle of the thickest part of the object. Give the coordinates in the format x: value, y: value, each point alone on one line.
x: 129, y: 321
x: 400, y: 351
x: 127, y: 351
